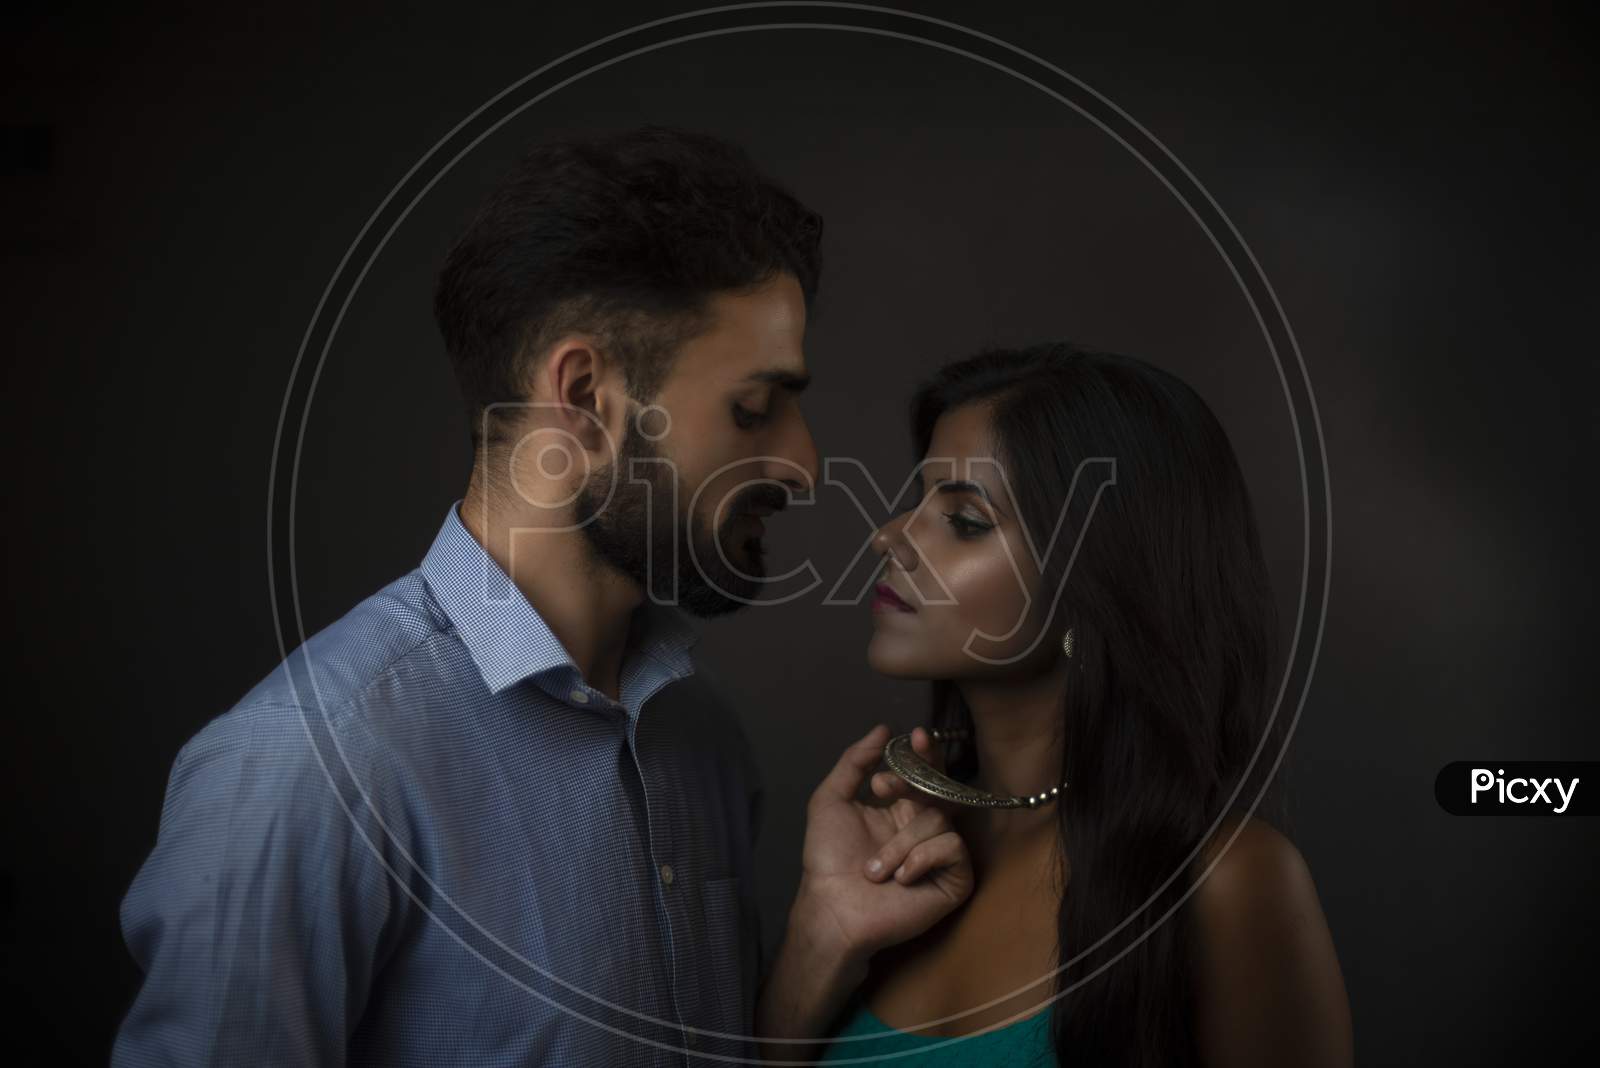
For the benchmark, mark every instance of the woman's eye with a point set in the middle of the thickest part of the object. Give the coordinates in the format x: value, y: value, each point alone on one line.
x: 747, y: 419
x: 966, y: 527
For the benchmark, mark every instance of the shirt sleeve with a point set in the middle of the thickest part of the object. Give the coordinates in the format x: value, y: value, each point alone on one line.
x: 262, y: 915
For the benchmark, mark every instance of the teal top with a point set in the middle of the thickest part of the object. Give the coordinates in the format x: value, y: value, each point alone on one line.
x: 1024, y: 1044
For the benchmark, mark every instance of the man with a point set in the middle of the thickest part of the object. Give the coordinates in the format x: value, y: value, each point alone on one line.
x: 491, y: 815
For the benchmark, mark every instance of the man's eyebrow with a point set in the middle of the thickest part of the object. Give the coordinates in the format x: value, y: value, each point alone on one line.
x: 792, y: 381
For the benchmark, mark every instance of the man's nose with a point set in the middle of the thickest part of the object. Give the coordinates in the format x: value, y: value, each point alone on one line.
x: 796, y: 455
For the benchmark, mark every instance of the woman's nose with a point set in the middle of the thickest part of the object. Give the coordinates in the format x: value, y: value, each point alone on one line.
x: 889, y: 540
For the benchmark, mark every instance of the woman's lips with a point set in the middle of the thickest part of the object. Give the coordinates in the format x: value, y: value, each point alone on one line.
x: 885, y: 599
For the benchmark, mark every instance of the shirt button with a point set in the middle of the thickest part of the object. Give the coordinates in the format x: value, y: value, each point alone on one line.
x: 667, y: 874
x: 580, y: 697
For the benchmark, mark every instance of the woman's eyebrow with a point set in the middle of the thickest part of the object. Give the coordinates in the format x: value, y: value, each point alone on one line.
x: 962, y: 485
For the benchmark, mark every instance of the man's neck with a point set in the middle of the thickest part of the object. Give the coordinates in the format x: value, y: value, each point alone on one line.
x: 588, y: 606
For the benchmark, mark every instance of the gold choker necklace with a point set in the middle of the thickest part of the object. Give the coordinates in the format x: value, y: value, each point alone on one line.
x: 904, y: 761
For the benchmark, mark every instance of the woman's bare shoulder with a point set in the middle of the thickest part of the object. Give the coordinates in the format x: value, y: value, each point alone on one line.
x: 1248, y: 857
x: 1269, y: 988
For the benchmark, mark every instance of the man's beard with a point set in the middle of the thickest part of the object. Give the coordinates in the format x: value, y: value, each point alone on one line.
x: 647, y: 535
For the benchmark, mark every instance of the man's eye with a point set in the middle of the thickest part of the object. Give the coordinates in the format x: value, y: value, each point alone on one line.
x: 747, y: 419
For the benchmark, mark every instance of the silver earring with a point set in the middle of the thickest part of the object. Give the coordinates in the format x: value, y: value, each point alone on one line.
x: 1066, y: 642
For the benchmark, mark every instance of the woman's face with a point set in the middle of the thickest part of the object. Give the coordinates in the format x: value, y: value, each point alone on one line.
x: 956, y: 597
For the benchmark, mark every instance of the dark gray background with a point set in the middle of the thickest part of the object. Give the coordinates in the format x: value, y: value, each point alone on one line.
x: 181, y: 183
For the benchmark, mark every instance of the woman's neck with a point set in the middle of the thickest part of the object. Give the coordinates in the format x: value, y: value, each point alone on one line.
x: 1017, y: 737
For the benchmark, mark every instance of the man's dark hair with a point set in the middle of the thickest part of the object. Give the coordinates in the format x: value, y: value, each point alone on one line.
x: 625, y: 237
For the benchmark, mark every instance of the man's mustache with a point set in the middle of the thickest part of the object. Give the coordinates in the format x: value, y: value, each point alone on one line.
x: 761, y: 497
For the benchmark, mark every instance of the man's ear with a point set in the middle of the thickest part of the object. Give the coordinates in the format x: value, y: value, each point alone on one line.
x: 587, y: 397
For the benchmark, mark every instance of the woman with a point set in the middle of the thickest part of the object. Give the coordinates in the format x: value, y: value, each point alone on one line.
x: 1082, y: 580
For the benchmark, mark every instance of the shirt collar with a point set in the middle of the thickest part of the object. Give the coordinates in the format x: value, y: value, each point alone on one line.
x: 507, y: 638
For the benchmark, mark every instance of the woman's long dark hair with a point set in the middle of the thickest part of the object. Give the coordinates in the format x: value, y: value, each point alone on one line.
x: 1175, y: 654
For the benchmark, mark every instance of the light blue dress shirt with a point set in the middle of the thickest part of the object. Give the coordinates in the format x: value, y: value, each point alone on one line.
x: 424, y: 840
